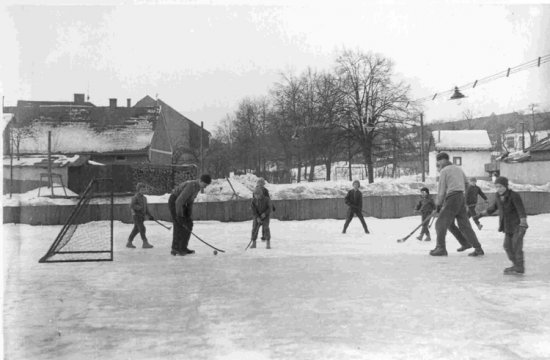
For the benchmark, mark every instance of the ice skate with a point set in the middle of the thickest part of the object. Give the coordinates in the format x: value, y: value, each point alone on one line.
x: 477, y: 252
x: 438, y: 251
x: 130, y: 245
x: 253, y: 246
x: 268, y: 244
x: 419, y: 238
x: 189, y: 251
x: 514, y: 270
x: 428, y: 238
x: 175, y: 252
x: 479, y: 226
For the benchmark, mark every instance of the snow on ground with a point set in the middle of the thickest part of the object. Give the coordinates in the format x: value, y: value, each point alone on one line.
x: 220, y: 190
x: 318, y: 294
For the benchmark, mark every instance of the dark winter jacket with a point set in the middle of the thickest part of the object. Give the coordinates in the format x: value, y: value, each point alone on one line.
x: 138, y: 205
x: 426, y: 206
x: 261, y: 206
x: 472, y: 191
x: 186, y: 194
x: 354, y: 199
x: 266, y: 193
x: 510, y: 211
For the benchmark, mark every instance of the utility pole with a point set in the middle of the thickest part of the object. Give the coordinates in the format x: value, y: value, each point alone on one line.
x: 201, y: 155
x: 50, y: 184
x: 523, y: 136
x: 422, y: 147
x: 349, y: 148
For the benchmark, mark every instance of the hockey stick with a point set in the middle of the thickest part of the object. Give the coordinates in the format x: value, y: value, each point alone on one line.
x: 201, y: 240
x: 161, y: 224
x: 431, y: 222
x: 250, y: 243
x: 232, y: 188
x: 416, y: 228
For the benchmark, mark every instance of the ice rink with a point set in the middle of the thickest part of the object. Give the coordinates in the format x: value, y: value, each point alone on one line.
x: 318, y: 294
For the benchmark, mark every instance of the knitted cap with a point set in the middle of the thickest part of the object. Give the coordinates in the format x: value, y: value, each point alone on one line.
x: 425, y: 189
x: 473, y: 179
x: 502, y: 181
x: 207, y: 179
x: 442, y: 156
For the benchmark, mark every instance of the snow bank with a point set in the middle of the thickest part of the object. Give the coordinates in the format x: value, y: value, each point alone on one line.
x: 220, y: 190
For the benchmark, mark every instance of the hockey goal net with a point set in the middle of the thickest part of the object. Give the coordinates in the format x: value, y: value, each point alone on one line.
x: 88, y: 232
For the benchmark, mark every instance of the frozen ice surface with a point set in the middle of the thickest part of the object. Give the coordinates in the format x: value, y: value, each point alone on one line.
x: 318, y: 294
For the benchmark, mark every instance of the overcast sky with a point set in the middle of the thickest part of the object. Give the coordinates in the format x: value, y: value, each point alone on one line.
x: 202, y: 58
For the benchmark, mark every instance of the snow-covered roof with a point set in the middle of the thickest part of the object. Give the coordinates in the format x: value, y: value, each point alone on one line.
x: 461, y: 140
x: 42, y: 161
x: 81, y: 137
x: 542, y: 145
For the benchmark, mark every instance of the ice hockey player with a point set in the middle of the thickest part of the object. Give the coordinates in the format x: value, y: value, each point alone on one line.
x: 472, y: 191
x: 261, y: 209
x: 450, y: 205
x: 512, y: 222
x: 354, y: 201
x: 425, y: 207
x: 261, y: 183
x: 138, y: 207
x: 180, y: 204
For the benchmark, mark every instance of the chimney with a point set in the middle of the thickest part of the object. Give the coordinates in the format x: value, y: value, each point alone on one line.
x: 79, y: 99
x: 112, y: 103
x: 128, y: 102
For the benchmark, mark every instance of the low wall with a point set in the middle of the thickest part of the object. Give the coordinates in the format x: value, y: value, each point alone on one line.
x: 528, y: 172
x: 239, y: 210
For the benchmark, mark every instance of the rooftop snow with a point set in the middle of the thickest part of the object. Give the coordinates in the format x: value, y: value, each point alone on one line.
x: 42, y: 161
x: 461, y: 140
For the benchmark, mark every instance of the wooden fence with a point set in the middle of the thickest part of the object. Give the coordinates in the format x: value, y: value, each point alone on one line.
x: 239, y: 210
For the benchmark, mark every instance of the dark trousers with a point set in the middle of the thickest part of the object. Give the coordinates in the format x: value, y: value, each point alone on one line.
x: 357, y: 212
x: 454, y: 208
x: 266, y: 233
x: 425, y: 225
x: 513, y: 245
x: 139, y: 227
x: 182, y: 227
x: 472, y: 213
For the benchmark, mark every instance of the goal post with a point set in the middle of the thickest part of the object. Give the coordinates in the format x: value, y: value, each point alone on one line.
x: 83, y: 237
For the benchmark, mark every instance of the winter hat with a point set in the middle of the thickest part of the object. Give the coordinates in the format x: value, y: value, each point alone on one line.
x: 207, y: 179
x: 356, y: 181
x: 502, y: 181
x: 473, y: 179
x: 426, y: 190
x: 442, y: 156
x: 260, y: 182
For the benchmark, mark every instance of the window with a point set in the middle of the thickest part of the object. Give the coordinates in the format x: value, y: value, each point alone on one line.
x: 457, y: 160
x: 510, y: 142
x: 120, y: 158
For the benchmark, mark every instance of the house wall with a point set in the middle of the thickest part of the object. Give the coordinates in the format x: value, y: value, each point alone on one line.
x: 540, y: 155
x: 27, y: 178
x: 160, y: 152
x: 528, y: 172
x: 473, y: 162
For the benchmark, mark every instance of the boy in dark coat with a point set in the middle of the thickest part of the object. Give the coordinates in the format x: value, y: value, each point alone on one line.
x: 138, y: 206
x: 512, y: 222
x: 425, y: 206
x: 354, y: 199
x: 472, y: 191
x: 261, y: 209
x: 180, y: 204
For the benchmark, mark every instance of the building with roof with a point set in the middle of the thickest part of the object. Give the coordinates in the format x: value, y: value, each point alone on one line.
x: 532, y: 167
x: 108, y: 134
x: 470, y: 149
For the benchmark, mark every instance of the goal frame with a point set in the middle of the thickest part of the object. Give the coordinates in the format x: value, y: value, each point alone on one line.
x: 74, y: 213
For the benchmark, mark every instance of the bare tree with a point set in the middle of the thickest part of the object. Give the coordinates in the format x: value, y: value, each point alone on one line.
x: 18, y: 134
x: 469, y: 115
x: 373, y: 99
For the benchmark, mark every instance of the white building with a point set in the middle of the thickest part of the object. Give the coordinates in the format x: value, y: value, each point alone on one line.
x: 470, y: 149
x: 513, y: 141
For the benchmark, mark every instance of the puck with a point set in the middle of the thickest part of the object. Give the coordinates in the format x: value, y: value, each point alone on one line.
x: 215, y: 252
